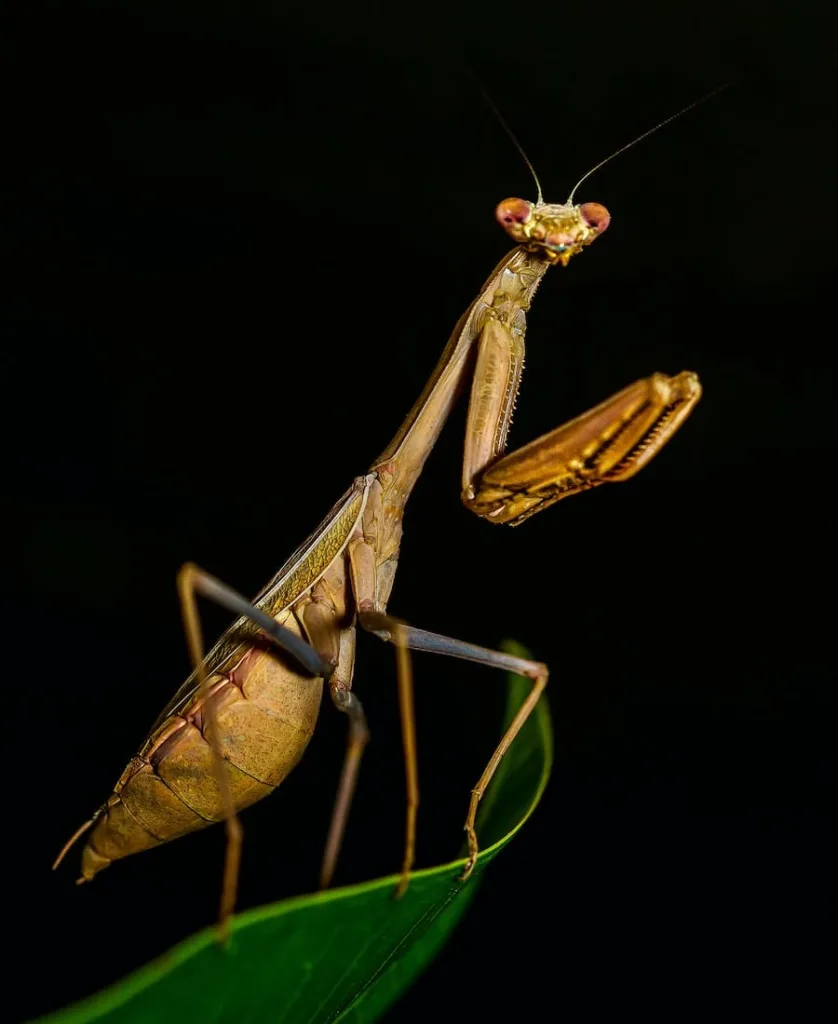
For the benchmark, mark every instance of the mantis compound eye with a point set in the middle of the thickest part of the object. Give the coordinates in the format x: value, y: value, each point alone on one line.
x: 513, y: 212
x: 595, y: 216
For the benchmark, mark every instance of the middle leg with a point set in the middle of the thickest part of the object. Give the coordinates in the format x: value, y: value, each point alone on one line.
x: 387, y: 628
x: 405, y: 637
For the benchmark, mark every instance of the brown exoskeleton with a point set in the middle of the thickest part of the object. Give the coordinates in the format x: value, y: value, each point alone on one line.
x: 243, y: 719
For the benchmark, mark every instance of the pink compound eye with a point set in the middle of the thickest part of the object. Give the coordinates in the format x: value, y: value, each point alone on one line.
x: 513, y: 211
x: 595, y: 216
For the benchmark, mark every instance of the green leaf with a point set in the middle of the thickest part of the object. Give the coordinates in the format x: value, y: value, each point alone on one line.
x: 346, y: 954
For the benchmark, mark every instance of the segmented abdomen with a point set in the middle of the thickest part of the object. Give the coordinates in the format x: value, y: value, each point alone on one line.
x: 265, y: 714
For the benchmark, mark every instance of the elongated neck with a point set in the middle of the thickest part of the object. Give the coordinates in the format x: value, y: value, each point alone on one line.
x: 516, y: 278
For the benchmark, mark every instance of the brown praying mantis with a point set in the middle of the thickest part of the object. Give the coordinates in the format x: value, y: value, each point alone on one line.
x: 243, y: 719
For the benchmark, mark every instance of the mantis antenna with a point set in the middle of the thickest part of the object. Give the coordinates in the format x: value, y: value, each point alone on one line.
x: 645, y: 135
x: 512, y: 136
x: 608, y: 159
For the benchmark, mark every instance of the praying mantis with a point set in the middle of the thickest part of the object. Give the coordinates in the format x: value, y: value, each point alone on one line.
x: 242, y: 720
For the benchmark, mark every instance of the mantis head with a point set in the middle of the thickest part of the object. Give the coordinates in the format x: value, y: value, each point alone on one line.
x: 558, y: 231
x: 555, y: 232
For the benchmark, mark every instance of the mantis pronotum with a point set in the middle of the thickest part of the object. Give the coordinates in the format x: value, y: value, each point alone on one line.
x: 243, y: 719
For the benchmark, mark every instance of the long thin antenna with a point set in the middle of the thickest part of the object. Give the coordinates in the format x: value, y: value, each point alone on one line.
x: 640, y: 138
x: 510, y: 133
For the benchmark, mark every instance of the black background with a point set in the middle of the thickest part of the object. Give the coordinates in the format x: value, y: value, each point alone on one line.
x: 233, y: 246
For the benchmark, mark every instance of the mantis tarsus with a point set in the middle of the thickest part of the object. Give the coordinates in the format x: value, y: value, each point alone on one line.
x: 243, y: 719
